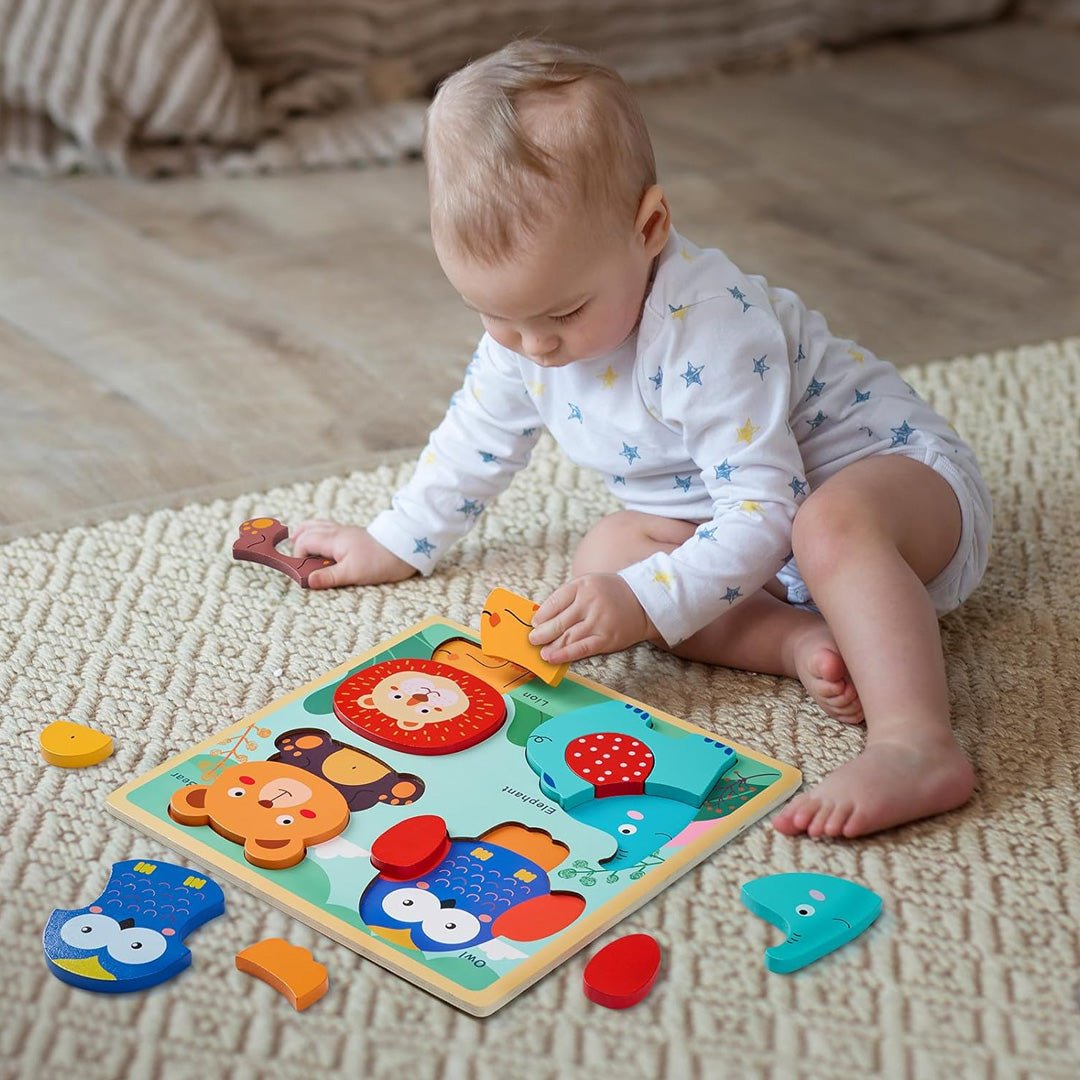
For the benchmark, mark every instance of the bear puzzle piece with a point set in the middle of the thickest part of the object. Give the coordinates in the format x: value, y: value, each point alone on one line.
x: 612, y: 749
x: 73, y: 746
x: 290, y: 969
x: 504, y: 633
x: 132, y: 936
x: 258, y: 541
x: 276, y: 811
x: 622, y: 973
x: 817, y: 912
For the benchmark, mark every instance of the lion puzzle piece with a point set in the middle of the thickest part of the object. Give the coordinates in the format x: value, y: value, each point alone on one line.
x: 504, y: 633
x: 817, y: 912
x: 132, y: 936
x: 290, y: 969
x: 73, y: 746
x: 258, y: 541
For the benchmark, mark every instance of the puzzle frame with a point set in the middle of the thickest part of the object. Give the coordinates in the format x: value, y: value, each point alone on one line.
x: 480, y: 790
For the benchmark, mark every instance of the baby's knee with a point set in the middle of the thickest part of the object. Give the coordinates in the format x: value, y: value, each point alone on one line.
x: 828, y: 527
x: 627, y: 537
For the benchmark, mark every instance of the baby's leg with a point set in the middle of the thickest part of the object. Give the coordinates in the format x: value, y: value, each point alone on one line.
x: 763, y: 633
x: 866, y: 541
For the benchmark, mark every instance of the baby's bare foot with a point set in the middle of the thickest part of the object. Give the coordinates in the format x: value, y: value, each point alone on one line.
x: 824, y: 674
x: 889, y: 783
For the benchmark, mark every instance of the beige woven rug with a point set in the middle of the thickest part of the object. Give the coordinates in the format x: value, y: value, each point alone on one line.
x: 146, y: 628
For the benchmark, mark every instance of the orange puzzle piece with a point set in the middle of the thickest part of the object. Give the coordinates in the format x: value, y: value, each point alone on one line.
x: 504, y: 633
x: 289, y: 969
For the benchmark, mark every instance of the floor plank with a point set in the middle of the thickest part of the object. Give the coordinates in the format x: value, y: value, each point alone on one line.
x: 159, y: 342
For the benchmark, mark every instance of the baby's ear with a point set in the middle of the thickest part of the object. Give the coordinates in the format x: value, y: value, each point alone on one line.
x: 188, y: 805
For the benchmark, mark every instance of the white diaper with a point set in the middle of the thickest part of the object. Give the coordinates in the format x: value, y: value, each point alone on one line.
x: 966, y: 568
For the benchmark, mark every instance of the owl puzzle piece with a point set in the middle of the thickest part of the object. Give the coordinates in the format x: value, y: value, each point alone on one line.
x: 817, y: 912
x: 132, y: 936
x: 439, y: 893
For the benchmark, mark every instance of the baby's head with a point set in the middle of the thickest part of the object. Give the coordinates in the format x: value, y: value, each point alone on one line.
x: 545, y: 212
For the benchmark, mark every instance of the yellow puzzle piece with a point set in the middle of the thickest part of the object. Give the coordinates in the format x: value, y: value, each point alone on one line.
x: 73, y: 746
x: 504, y: 632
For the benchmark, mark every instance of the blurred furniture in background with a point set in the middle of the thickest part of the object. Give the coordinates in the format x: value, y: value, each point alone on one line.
x: 156, y: 87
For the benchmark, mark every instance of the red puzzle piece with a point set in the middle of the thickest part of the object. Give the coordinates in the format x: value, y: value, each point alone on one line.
x: 613, y: 763
x: 410, y: 848
x: 622, y: 974
x: 258, y: 541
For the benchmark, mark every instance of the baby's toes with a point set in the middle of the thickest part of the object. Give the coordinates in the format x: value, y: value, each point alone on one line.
x: 794, y: 818
x: 816, y: 827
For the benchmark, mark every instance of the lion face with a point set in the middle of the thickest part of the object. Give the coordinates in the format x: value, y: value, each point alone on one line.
x: 275, y: 810
x: 415, y: 699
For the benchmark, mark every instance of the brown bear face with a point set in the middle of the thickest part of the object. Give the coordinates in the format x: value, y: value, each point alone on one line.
x: 276, y: 811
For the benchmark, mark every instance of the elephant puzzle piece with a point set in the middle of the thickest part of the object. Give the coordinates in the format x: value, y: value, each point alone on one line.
x: 290, y: 969
x: 132, y: 936
x: 258, y: 541
x: 817, y: 913
x: 504, y: 633
x: 613, y: 749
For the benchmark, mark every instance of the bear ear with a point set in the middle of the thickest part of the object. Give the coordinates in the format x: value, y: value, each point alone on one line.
x: 188, y: 805
x: 274, y: 854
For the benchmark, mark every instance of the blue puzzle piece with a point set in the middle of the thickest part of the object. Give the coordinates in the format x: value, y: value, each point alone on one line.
x: 131, y: 937
x: 612, y: 749
x: 817, y: 912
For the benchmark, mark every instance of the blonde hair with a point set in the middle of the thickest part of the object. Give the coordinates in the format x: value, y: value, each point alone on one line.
x: 529, y: 132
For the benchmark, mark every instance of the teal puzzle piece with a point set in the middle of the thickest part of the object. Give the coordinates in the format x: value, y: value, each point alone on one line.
x: 817, y: 912
x: 613, y: 749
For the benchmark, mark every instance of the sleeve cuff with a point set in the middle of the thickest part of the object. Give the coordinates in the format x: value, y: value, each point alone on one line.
x: 420, y: 552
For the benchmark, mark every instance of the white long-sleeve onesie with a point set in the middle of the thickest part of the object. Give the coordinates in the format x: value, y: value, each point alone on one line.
x: 728, y: 403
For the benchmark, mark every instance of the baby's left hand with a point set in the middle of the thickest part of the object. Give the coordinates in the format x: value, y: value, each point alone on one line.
x: 593, y: 614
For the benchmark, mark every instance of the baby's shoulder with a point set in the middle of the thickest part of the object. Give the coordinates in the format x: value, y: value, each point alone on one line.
x: 688, y: 275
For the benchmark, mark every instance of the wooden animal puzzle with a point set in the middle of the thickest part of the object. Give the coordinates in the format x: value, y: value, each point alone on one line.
x: 132, y: 936
x: 452, y: 817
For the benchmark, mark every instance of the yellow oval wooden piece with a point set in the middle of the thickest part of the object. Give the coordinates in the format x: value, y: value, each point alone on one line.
x: 73, y: 746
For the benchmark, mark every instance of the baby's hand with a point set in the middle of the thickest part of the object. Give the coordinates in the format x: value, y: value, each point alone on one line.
x: 596, y: 613
x: 359, y: 559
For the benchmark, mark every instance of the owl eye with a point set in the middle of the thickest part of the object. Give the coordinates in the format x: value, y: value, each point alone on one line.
x: 137, y: 945
x: 284, y: 819
x: 410, y: 905
x: 627, y: 830
x: 89, y: 931
x: 236, y: 793
x: 805, y: 910
x: 451, y: 927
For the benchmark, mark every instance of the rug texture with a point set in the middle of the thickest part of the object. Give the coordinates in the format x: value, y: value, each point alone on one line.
x: 146, y: 629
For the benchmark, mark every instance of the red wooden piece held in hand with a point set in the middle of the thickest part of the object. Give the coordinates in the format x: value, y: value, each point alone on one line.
x: 410, y: 848
x: 622, y: 974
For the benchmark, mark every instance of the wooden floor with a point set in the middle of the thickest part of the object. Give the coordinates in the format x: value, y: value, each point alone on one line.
x: 159, y: 342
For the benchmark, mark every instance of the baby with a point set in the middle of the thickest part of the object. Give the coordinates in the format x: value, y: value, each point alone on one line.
x: 792, y: 507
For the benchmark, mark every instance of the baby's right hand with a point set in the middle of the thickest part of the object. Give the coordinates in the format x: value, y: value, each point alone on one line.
x: 359, y: 559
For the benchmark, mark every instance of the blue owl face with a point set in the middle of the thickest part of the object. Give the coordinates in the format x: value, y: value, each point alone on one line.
x: 131, y: 937
x: 457, y: 903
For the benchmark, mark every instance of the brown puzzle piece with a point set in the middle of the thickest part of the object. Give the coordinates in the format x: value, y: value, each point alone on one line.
x: 258, y: 541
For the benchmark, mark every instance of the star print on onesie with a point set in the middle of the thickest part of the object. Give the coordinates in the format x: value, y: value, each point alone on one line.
x: 730, y: 403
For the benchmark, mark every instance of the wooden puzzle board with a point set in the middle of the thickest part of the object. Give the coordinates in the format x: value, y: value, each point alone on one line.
x: 475, y: 791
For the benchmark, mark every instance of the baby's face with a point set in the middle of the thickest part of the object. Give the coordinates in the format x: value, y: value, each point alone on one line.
x: 566, y: 298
